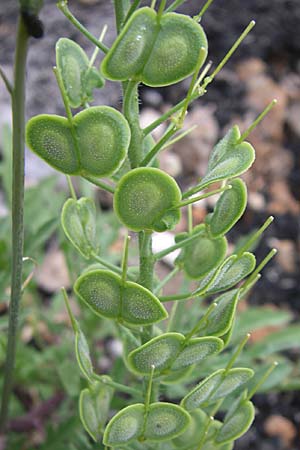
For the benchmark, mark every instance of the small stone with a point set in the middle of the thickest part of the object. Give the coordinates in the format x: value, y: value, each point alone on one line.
x: 282, y: 427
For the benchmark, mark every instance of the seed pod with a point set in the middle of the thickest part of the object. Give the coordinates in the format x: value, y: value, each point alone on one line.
x: 221, y: 318
x: 156, y: 51
x: 169, y: 352
x: 161, y: 421
x: 78, y: 78
x: 218, y: 385
x: 144, y: 199
x: 108, y: 296
x: 229, y: 158
x: 94, y: 406
x: 203, y: 254
x: 97, y: 146
x: 228, y: 210
x: 236, y: 422
x: 194, y: 431
x: 83, y: 355
x: 78, y: 220
x: 233, y: 270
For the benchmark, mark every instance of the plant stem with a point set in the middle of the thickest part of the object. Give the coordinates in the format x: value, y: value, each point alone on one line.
x: 101, y: 184
x: 121, y: 10
x: 159, y: 145
x: 146, y: 271
x: 18, y: 113
x: 181, y: 244
x: 131, y: 112
x: 6, y: 81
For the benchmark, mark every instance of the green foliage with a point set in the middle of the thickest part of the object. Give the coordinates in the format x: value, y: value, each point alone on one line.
x: 187, y: 361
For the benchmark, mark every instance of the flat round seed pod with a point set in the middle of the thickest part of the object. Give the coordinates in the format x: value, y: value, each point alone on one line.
x: 175, y: 53
x: 130, y: 51
x: 203, y: 254
x: 197, y: 350
x: 144, y: 199
x: 83, y: 355
x: 194, y: 432
x: 229, y: 208
x: 177, y: 375
x: 106, y: 294
x: 79, y: 79
x: 218, y: 385
x: 101, y: 291
x: 233, y: 270
x: 158, y: 52
x: 103, y: 137
x: 125, y: 426
x: 165, y: 421
x: 159, y: 351
x: 220, y: 320
x: 236, y: 424
x: 72, y: 63
x: 50, y: 137
x: 78, y: 220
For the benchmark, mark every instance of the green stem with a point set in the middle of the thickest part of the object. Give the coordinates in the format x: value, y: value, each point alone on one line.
x: 131, y: 112
x: 132, y: 8
x: 180, y: 244
x: 100, y: 184
x: 121, y: 10
x: 107, y: 264
x: 166, y: 280
x: 118, y: 386
x: 71, y: 187
x: 63, y: 7
x: 159, y: 146
x: 175, y: 5
x: 192, y: 200
x: 18, y: 114
x: 203, y: 10
x: 6, y: 82
x: 146, y: 265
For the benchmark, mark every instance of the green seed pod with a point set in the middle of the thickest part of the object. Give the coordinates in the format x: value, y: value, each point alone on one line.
x: 156, y: 51
x: 233, y: 270
x: 50, y: 137
x: 176, y: 376
x: 97, y: 146
x: 221, y: 318
x: 125, y: 426
x: 210, y: 443
x: 236, y: 423
x: 229, y: 158
x: 218, y: 385
x: 94, y: 406
x: 103, y: 137
x: 194, y: 431
x: 83, y: 355
x: 144, y: 199
x: 169, y: 352
x: 78, y: 219
x: 165, y: 421
x: 202, y: 255
x: 229, y: 209
x: 78, y: 78
x: 108, y: 296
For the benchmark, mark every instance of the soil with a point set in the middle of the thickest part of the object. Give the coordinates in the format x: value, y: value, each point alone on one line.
x: 266, y: 66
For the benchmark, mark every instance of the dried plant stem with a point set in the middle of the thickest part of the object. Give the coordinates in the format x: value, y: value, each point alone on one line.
x: 18, y: 106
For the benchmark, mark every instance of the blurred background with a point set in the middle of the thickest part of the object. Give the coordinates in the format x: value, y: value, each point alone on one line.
x: 266, y: 66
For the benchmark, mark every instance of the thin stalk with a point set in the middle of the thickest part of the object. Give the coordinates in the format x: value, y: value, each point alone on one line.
x: 203, y: 10
x: 247, y: 245
x: 179, y: 137
x: 257, y: 121
x: 262, y: 380
x: 71, y: 187
x: 131, y: 10
x: 101, y: 184
x: 63, y: 7
x: 146, y: 265
x: 107, y: 264
x: 175, y: 5
x: 121, y: 9
x: 236, y: 353
x: 200, y: 323
x: 166, y: 280
x: 181, y: 244
x: 159, y: 145
x: 18, y: 117
x: 131, y: 112
x: 118, y: 386
x: 192, y: 200
x: 6, y: 82
x: 96, y: 50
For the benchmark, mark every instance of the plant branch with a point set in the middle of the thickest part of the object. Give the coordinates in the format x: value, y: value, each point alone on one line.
x: 18, y: 114
x: 6, y: 82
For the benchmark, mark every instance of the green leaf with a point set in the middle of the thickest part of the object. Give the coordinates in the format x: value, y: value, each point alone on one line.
x: 236, y: 423
x: 107, y: 296
x: 144, y: 199
x: 98, y: 147
x: 221, y: 318
x: 94, y: 406
x: 202, y: 255
x: 218, y: 385
x: 78, y: 220
x: 233, y: 270
x: 78, y: 78
x: 278, y: 341
x: 125, y: 426
x: 170, y: 351
x: 229, y: 209
x: 50, y: 137
x: 156, y: 51
x: 165, y: 421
